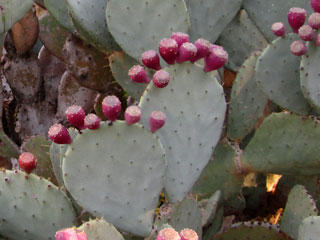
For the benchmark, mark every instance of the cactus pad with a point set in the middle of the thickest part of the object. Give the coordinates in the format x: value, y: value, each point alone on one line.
x: 139, y: 25
x: 309, y: 228
x: 126, y: 164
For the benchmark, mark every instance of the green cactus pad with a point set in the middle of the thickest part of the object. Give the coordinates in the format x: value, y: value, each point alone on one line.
x: 247, y: 102
x: 283, y: 145
x: 209, y: 210
x: 59, y: 10
x: 215, y: 225
x: 120, y: 63
x: 309, y: 228
x: 265, y: 13
x: 34, y: 208
x: 240, y: 38
x: 194, y: 106
x: 139, y: 25
x: 309, y: 75
x: 11, y: 11
x: 8, y: 148
x: 89, y: 19
x: 252, y: 231
x: 100, y: 229
x: 210, y: 17
x: 126, y: 165
x: 299, y: 206
x: 277, y: 74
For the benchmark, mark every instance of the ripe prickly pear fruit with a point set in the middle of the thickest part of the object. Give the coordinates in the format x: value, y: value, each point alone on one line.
x: 314, y: 20
x: 298, y: 48
x: 157, y: 119
x: 138, y: 74
x: 59, y: 134
x: 278, y: 29
x: 216, y: 59
x: 70, y: 234
x: 151, y: 59
x: 296, y: 18
x: 180, y: 37
x: 132, y: 115
x: 168, y: 49
x: 202, y: 49
x: 318, y: 39
x: 111, y: 107
x: 27, y: 162
x: 92, y: 121
x: 75, y: 115
x: 188, y: 234
x: 187, y: 52
x: 168, y: 234
x: 161, y: 78
x: 306, y: 33
x: 315, y: 4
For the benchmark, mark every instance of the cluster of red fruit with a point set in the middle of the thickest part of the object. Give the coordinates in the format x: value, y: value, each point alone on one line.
x: 178, y: 49
x: 296, y: 18
x: 171, y: 234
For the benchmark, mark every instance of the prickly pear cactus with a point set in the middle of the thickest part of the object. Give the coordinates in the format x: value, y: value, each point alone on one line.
x: 277, y: 74
x: 126, y: 164
x: 247, y: 102
x: 210, y: 208
x: 35, y: 208
x: 138, y: 26
x: 299, y: 206
x: 309, y: 228
x: 283, y: 145
x: 192, y: 96
x: 12, y: 11
x: 100, y: 229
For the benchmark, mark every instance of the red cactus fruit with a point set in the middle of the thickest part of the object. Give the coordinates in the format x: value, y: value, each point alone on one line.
x: 59, y: 134
x: 70, y: 234
x: 315, y: 4
x: 156, y: 120
x: 111, y: 107
x: 216, y: 59
x: 314, y: 20
x: 180, y: 37
x: 306, y: 33
x: 187, y: 52
x: 168, y: 234
x: 188, y: 234
x: 202, y: 49
x: 278, y: 29
x: 27, y: 162
x: 92, y: 121
x: 75, y: 115
x: 296, y: 18
x: 298, y: 48
x: 132, y: 115
x: 151, y: 59
x: 138, y: 74
x: 318, y: 39
x: 168, y: 49
x: 161, y: 78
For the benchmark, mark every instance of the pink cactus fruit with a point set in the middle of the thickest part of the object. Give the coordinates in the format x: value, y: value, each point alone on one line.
x: 151, y: 59
x: 318, y: 39
x: 59, y: 134
x: 161, y: 78
x: 278, y: 29
x: 132, y: 115
x: 187, y: 52
x: 202, y: 49
x: 180, y: 37
x: 168, y: 49
x: 296, y: 18
x: 138, y: 74
x: 82, y: 236
x: 306, y: 33
x: 315, y: 4
x: 75, y: 115
x: 188, y: 234
x: 92, y: 121
x: 216, y: 59
x: 111, y: 107
x: 70, y: 234
x: 168, y: 234
x: 298, y: 48
x: 157, y: 120
x: 314, y: 20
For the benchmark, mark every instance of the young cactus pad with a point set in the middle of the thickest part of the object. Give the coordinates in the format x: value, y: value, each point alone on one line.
x: 140, y: 25
x: 194, y: 105
x: 277, y: 74
x: 34, y: 208
x: 123, y: 167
